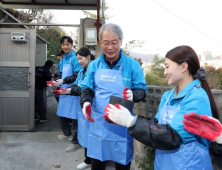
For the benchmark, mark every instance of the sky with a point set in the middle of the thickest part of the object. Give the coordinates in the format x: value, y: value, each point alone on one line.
x: 163, y: 24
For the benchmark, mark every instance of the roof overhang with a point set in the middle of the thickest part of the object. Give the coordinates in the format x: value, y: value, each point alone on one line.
x: 14, y: 20
x: 50, y: 4
x: 54, y: 4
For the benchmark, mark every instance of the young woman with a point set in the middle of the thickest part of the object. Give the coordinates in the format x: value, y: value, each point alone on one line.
x: 84, y: 57
x: 176, y: 148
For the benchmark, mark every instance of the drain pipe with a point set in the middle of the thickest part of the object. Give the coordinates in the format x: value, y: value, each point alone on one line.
x: 3, y: 19
x: 103, y: 15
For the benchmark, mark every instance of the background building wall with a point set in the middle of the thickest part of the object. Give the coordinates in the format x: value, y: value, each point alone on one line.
x: 41, y: 54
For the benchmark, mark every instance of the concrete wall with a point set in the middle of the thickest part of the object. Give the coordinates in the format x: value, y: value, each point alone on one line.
x: 41, y: 53
x: 148, y: 109
x: 218, y: 98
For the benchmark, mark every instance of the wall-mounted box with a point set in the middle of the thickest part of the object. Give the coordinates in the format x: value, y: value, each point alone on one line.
x: 19, y: 37
x: 91, y: 36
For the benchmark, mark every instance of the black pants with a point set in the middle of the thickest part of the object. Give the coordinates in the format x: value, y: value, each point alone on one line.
x: 98, y: 165
x: 88, y: 159
x: 57, y: 99
x: 67, y: 130
x: 40, y: 104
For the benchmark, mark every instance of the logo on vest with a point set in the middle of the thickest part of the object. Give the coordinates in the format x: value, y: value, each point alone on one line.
x: 168, y: 118
x: 65, y: 69
x: 108, y: 78
x: 126, y: 79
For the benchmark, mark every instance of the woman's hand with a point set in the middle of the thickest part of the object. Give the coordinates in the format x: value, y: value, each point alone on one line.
x: 87, y: 111
x: 62, y: 91
x: 204, y: 126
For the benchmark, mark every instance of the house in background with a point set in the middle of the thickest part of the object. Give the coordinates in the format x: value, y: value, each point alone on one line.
x: 18, y: 59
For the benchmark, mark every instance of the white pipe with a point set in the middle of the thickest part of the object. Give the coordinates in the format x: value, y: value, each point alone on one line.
x: 3, y: 19
x: 34, y: 24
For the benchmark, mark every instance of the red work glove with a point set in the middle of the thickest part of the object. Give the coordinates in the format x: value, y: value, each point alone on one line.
x: 49, y: 83
x: 120, y: 115
x: 87, y: 111
x: 127, y: 94
x: 204, y: 126
x: 55, y: 83
x: 106, y: 115
x: 62, y: 91
x: 55, y: 91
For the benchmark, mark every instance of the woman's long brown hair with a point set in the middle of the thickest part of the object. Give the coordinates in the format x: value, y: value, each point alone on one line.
x: 186, y: 54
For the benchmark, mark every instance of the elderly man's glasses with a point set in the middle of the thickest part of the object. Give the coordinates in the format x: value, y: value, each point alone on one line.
x: 112, y: 43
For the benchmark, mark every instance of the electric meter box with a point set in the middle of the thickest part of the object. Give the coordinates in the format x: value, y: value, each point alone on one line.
x: 19, y: 37
x: 91, y: 36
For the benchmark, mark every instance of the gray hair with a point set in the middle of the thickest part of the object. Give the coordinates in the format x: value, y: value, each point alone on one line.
x: 112, y: 28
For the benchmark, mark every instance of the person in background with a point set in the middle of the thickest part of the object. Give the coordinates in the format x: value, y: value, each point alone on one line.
x: 107, y: 76
x: 69, y: 70
x: 176, y: 148
x: 41, y: 76
x: 84, y: 57
x: 59, y: 57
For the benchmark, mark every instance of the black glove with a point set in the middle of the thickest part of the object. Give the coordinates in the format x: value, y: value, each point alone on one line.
x: 75, y: 90
x: 70, y: 79
x: 86, y: 96
x: 156, y: 135
x: 138, y: 95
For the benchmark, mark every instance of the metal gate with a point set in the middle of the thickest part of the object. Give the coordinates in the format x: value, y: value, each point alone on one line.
x: 17, y: 81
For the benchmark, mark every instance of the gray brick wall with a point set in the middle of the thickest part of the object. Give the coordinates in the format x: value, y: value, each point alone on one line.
x: 149, y: 107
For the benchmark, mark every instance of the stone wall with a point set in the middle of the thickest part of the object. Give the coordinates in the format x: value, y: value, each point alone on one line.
x: 148, y: 109
x: 218, y: 98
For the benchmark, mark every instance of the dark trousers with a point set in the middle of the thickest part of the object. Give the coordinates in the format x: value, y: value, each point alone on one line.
x: 98, y: 165
x: 57, y: 99
x: 40, y: 104
x: 88, y: 159
x: 67, y: 130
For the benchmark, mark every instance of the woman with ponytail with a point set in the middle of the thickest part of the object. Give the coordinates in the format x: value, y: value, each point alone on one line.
x: 176, y: 148
x: 84, y: 57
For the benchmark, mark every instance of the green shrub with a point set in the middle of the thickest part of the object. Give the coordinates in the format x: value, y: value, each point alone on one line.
x: 156, y: 75
x: 147, y: 162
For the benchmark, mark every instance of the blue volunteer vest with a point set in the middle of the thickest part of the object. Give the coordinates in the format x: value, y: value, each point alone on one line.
x: 83, y: 123
x: 108, y: 141
x: 67, y: 106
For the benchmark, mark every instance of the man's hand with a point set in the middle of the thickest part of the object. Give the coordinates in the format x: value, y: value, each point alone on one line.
x: 127, y: 94
x: 204, y: 126
x: 55, y: 83
x: 87, y: 111
x: 119, y: 115
x: 50, y: 83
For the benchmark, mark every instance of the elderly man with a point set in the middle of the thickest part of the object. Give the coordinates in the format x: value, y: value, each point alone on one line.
x: 107, y: 76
